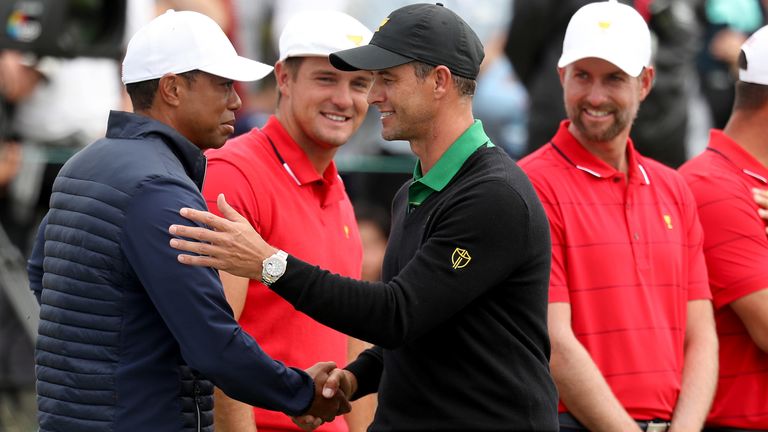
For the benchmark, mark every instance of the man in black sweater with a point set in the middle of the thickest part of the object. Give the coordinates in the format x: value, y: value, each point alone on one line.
x: 460, y: 326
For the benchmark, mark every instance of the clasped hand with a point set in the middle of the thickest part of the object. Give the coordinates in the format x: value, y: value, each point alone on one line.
x: 332, y: 391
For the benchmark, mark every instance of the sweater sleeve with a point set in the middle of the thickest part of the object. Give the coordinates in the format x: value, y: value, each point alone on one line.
x: 471, y: 248
x: 367, y: 368
x: 192, y: 303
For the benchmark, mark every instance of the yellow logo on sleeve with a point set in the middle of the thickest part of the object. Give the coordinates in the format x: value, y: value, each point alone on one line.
x: 460, y: 258
x: 668, y: 221
x: 346, y: 231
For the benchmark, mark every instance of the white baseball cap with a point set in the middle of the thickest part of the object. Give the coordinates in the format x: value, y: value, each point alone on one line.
x: 177, y: 42
x: 611, y: 31
x: 755, y: 51
x: 320, y: 33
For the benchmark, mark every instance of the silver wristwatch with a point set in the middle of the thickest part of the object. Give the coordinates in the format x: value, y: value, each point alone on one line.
x: 273, y: 267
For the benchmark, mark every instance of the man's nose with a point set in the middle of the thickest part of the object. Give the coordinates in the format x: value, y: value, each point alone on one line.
x: 234, y: 103
x: 375, y: 94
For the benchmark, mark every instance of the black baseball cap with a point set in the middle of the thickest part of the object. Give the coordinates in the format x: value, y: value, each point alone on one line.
x: 429, y: 33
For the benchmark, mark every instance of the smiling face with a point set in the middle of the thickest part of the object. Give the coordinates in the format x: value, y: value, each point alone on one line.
x: 404, y: 102
x: 206, y: 110
x: 602, y: 100
x: 321, y: 105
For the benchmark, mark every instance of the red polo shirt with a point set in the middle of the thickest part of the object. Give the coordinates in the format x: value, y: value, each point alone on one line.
x: 296, y: 210
x: 627, y: 255
x: 736, y: 248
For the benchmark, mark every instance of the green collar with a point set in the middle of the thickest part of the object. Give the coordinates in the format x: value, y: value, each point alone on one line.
x: 447, y: 166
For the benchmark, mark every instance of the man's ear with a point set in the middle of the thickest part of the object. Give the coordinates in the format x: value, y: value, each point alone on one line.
x: 282, y: 77
x: 170, y: 88
x: 442, y: 79
x: 647, y: 79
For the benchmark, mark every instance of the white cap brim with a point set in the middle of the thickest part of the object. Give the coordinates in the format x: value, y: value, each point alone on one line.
x: 238, y: 69
x: 632, y: 69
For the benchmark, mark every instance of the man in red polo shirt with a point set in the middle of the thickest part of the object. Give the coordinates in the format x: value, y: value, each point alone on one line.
x: 283, y: 179
x: 630, y: 319
x: 722, y: 179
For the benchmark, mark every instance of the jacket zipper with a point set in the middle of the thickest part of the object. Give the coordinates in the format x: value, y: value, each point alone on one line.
x: 196, y: 391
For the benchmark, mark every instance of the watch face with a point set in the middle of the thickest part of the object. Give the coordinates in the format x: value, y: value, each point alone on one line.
x: 274, y: 267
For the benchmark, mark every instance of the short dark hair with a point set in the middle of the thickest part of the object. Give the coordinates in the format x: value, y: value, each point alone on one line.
x: 293, y: 64
x: 465, y: 86
x: 750, y: 96
x: 142, y: 93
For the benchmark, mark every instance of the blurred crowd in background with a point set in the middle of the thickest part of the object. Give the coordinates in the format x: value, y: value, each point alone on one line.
x: 52, y: 107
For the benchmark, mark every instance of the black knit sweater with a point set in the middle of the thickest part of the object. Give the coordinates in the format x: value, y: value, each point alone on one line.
x: 460, y: 324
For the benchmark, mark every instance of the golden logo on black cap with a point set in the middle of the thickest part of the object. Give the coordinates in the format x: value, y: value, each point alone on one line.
x: 384, y: 21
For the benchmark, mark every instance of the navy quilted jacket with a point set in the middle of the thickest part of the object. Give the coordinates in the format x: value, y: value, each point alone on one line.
x: 129, y: 338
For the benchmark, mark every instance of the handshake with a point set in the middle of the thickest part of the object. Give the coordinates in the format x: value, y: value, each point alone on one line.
x: 333, y: 388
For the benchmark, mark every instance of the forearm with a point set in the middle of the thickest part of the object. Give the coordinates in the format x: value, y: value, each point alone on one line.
x: 585, y: 392
x: 236, y: 291
x: 698, y: 382
x: 231, y: 415
x: 752, y: 309
x: 387, y: 314
x: 353, y: 307
x: 362, y: 413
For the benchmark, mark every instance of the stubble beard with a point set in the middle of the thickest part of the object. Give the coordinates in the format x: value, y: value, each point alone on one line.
x: 621, y: 120
x: 393, y: 133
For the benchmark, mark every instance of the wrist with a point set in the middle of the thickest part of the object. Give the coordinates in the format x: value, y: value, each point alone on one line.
x: 273, y: 266
x: 267, y: 251
x: 352, y: 379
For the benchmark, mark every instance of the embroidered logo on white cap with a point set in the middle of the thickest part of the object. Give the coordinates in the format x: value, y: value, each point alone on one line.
x: 755, y: 51
x: 177, y: 42
x: 320, y: 33
x: 611, y: 31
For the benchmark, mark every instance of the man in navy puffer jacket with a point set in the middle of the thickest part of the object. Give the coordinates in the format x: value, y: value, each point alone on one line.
x: 129, y: 337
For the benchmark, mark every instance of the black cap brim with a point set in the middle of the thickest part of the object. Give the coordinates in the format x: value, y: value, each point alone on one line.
x: 367, y: 57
